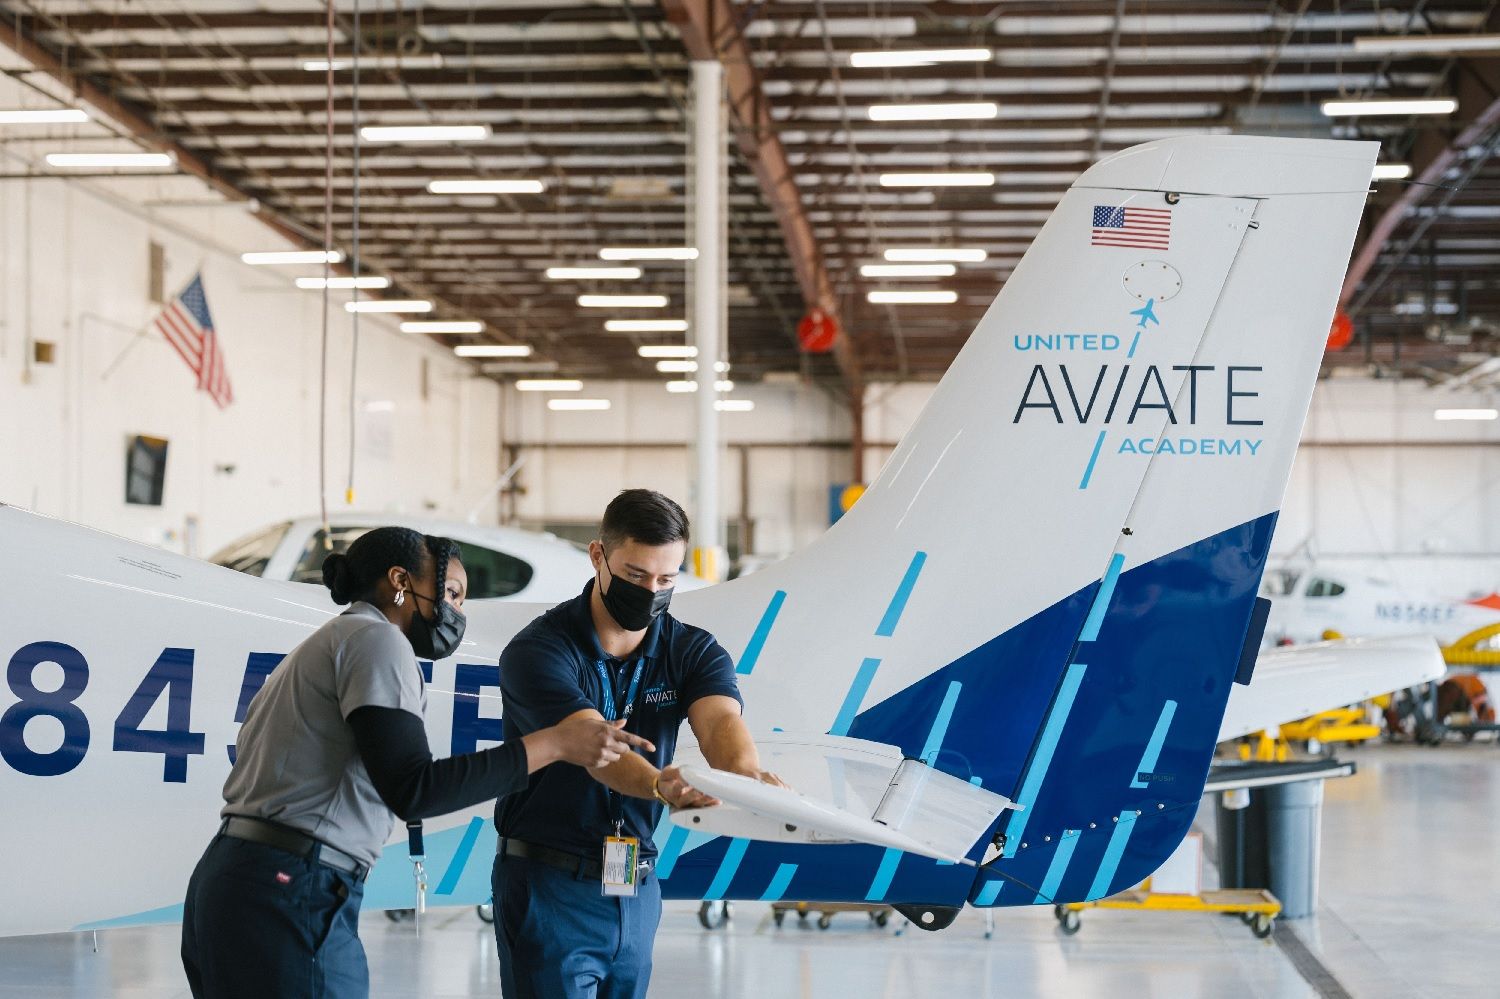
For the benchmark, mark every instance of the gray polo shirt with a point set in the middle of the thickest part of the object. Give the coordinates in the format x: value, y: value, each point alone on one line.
x: 297, y: 763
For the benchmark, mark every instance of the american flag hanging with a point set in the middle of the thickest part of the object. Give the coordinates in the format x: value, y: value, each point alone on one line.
x: 188, y: 327
x: 1143, y: 228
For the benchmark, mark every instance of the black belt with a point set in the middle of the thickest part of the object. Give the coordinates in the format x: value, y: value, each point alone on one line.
x: 582, y: 867
x: 290, y: 840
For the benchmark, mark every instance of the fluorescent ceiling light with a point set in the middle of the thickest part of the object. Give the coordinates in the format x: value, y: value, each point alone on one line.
x: 907, y: 270
x: 912, y: 297
x: 493, y: 350
x: 645, y: 326
x: 937, y: 179
x: 443, y: 326
x: 917, y: 254
x: 734, y: 405
x: 1392, y: 171
x: 1427, y: 44
x: 667, y: 350
x: 933, y: 112
x: 132, y: 160
x: 485, y: 187
x: 722, y: 385
x: 593, y: 273
x: 674, y: 367
x: 649, y: 253
x: 1420, y: 308
x: 43, y: 116
x: 623, y: 301
x: 578, y: 405
x: 390, y: 305
x: 1423, y: 105
x: 322, y: 65
x: 1466, y: 414
x: 292, y: 257
x: 917, y: 57
x: 317, y: 283
x: 425, y: 133
x: 549, y: 385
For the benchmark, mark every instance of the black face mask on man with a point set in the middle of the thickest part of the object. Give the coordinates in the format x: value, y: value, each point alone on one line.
x: 633, y: 606
x: 436, y: 639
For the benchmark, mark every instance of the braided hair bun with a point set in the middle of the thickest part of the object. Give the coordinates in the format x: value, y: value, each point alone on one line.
x: 336, y: 577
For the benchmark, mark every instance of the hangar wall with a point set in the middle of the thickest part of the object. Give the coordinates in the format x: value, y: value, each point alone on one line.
x: 74, y: 272
x: 1381, y: 486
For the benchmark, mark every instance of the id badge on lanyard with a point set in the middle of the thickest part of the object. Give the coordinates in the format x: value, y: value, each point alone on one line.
x: 620, y: 865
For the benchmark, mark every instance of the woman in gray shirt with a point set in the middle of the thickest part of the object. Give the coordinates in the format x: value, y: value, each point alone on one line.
x: 333, y: 751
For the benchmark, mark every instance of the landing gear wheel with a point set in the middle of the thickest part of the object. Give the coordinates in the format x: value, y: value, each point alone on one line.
x: 712, y: 915
x: 779, y: 916
x: 825, y: 921
x: 1248, y: 918
x: 801, y: 915
x: 1263, y: 926
x: 485, y: 912
x: 881, y: 918
x: 1070, y: 921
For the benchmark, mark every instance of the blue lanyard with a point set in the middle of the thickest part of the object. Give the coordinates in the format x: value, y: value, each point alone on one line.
x: 616, y: 801
x: 610, y: 711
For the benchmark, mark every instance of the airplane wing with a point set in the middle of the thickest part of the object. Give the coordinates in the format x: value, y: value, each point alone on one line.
x: 1296, y: 682
x: 846, y: 791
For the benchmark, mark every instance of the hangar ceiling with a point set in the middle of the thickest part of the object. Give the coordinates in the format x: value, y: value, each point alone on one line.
x: 590, y: 98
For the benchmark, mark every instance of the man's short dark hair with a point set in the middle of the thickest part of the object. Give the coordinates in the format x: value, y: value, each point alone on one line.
x: 642, y: 515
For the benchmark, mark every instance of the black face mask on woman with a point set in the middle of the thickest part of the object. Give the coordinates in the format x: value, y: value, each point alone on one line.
x: 633, y: 606
x: 436, y: 639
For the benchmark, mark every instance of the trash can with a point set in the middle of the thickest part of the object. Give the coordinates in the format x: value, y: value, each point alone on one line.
x: 1242, y: 840
x: 1294, y: 814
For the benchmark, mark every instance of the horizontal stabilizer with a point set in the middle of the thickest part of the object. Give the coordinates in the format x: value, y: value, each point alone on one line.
x: 847, y: 791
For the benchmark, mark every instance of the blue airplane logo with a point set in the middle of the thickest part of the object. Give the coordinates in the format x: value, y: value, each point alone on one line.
x: 1147, y: 313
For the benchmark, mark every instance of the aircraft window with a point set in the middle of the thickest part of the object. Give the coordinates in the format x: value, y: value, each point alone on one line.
x: 491, y: 573
x: 1324, y: 588
x: 250, y: 555
x: 1279, y: 583
x: 309, y: 568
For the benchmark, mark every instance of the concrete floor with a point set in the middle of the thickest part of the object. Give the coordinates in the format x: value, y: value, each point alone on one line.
x: 1411, y: 879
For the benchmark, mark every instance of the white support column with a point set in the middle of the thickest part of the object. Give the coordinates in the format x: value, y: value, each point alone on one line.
x: 708, y: 295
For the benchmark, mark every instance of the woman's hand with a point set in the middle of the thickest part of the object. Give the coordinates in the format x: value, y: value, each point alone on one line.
x: 583, y: 740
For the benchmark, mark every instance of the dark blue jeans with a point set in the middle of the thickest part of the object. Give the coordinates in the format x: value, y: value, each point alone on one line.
x: 560, y: 938
x: 261, y: 922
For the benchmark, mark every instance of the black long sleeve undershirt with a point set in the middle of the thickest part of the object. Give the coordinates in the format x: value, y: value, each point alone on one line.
x: 393, y: 746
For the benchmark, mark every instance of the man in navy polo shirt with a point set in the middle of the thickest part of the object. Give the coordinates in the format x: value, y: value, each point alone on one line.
x: 576, y: 903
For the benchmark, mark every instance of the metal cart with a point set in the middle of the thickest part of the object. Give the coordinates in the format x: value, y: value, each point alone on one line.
x: 1256, y: 908
x: 880, y: 915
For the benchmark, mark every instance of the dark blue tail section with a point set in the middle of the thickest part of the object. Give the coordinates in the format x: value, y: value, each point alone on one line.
x: 1099, y: 714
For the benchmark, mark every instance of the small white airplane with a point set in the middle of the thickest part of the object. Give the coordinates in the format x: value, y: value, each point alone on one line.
x: 999, y: 680
x: 1308, y: 601
x: 503, y: 563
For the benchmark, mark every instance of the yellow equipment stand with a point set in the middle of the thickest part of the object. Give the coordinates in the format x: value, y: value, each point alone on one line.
x: 1257, y: 909
x: 1336, y: 725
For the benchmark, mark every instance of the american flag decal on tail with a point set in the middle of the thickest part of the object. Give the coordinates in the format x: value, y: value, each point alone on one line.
x: 1142, y: 228
x: 188, y: 327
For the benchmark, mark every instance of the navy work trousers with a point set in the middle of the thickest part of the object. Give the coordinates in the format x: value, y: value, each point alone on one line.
x: 262, y: 922
x: 559, y: 937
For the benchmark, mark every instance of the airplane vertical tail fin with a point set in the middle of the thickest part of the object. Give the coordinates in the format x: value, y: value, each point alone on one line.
x: 1047, y: 589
